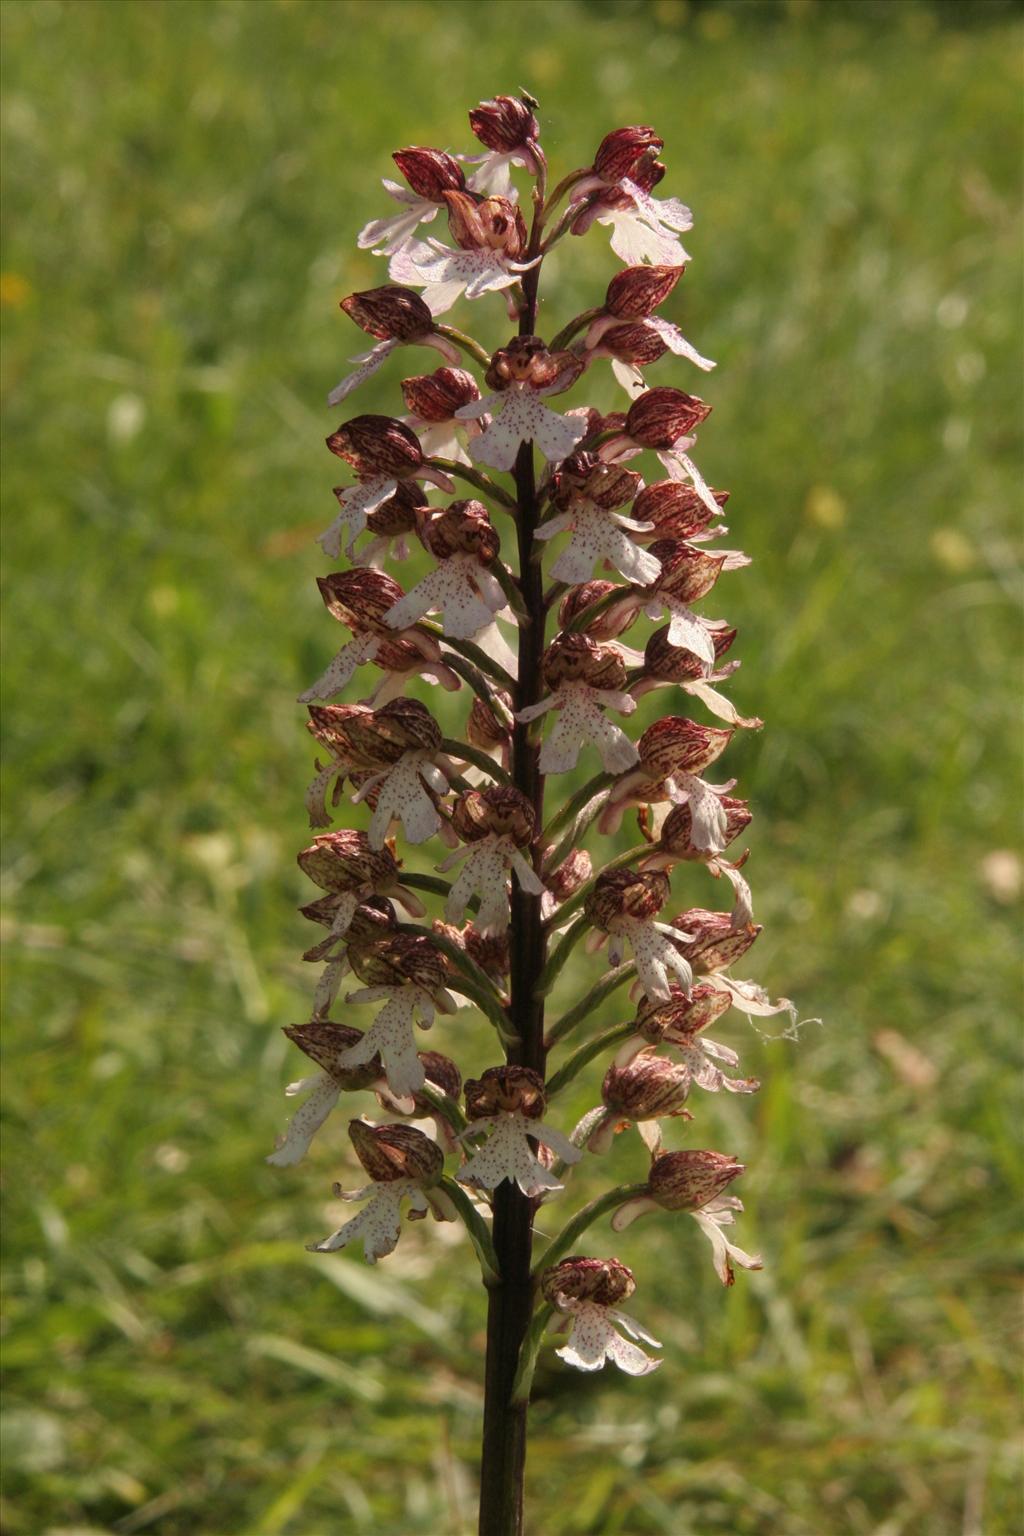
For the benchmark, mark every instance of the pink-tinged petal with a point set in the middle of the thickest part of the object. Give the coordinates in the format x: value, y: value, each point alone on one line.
x: 554, y: 1140
x: 593, y: 1341
x: 507, y: 1155
x: 668, y: 211
x: 751, y: 999
x: 687, y: 631
x: 618, y: 754
x: 391, y: 1036
x: 403, y: 798
x: 526, y: 876
x: 681, y: 467
x: 676, y: 342
x: 534, y: 711
x: 356, y: 502
x: 634, y: 242
x: 305, y: 1123
x: 628, y: 1213
x: 378, y: 1224
x: 719, y: 705
x: 316, y: 795
x: 371, y: 361
x: 392, y: 233
x: 709, y: 822
x: 632, y: 1327
x: 342, y: 668
x: 629, y: 376
x: 722, y: 1250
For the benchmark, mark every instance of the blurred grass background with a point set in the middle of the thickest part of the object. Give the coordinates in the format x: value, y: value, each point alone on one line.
x: 184, y: 183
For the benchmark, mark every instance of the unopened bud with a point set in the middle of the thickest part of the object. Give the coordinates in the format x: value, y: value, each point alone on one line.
x: 686, y: 1014
x: 430, y: 172
x: 436, y: 396
x: 675, y: 509
x: 501, y: 811
x: 646, y: 1088
x: 392, y: 1152
x: 621, y: 150
x: 605, y: 1282
x: 526, y: 360
x: 463, y: 528
x: 573, y: 658
x: 677, y: 829
x: 389, y: 313
x: 344, y: 861
x: 687, y: 574
x: 359, y: 598
x: 674, y: 663
x: 399, y: 958
x: 575, y: 870
x: 583, y: 474
x: 685, y: 1181
x: 484, y: 729
x: 409, y: 724
x: 626, y: 893
x: 493, y: 223
x: 660, y: 417
x: 606, y: 625
x: 713, y: 942
x: 636, y: 292
x: 504, y: 123
x: 633, y: 343
x: 505, y: 1090
x: 377, y: 445
x: 677, y: 745
x: 325, y: 1042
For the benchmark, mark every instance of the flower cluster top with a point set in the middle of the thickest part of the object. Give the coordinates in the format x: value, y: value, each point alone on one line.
x: 484, y: 465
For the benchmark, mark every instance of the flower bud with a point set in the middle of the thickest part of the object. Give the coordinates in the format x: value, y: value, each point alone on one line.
x: 646, y: 1088
x: 687, y: 574
x: 347, y: 730
x: 572, y: 658
x: 619, y: 151
x: 507, y: 1090
x: 636, y: 292
x: 430, y: 172
x: 325, y: 1042
x: 373, y: 918
x: 606, y: 625
x: 493, y: 223
x: 660, y: 417
x: 398, y: 514
x: 633, y: 343
x: 409, y: 724
x: 685, y: 1181
x: 399, y: 958
x: 687, y: 1013
x: 435, y: 397
x: 626, y: 893
x: 575, y: 870
x: 713, y: 942
x: 392, y: 1152
x: 389, y: 313
x: 463, y: 528
x: 675, y: 509
x: 677, y: 830
x: 442, y: 1072
x: 359, y: 598
x: 583, y: 474
x: 526, y: 360
x: 491, y: 951
x: 674, y: 663
x: 344, y: 861
x: 377, y: 445
x: 677, y: 745
x: 504, y: 123
x: 500, y: 811
x: 484, y: 729
x: 605, y: 1282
